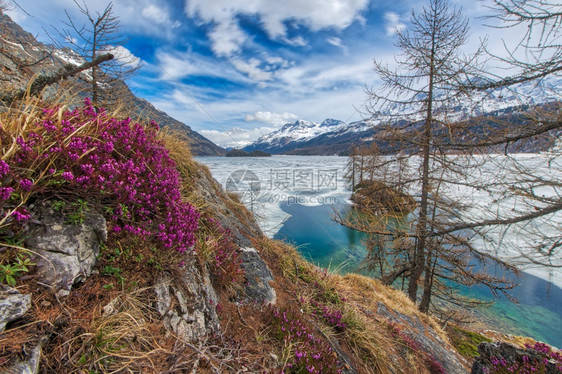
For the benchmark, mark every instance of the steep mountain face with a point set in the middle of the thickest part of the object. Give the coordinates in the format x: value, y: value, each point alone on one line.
x: 333, y: 137
x: 22, y: 56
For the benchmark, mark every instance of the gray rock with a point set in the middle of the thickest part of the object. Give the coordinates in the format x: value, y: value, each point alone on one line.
x: 242, y: 226
x: 258, y: 276
x: 13, y: 305
x: 66, y: 253
x: 187, y: 303
x: 511, y: 354
x: 427, y: 339
x: 31, y: 364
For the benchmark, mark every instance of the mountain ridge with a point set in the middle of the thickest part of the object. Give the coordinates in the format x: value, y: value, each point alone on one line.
x: 334, y: 137
x: 22, y: 57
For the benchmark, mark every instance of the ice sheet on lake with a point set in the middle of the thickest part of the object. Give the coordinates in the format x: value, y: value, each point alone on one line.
x: 317, y: 180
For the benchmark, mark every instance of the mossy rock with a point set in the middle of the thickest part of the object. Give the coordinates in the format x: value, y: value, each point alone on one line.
x: 465, y: 341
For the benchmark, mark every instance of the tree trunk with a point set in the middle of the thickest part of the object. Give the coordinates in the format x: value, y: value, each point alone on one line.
x: 421, y: 227
x: 427, y: 285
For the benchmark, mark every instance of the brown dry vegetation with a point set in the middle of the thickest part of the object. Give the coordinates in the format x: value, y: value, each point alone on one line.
x: 108, y: 324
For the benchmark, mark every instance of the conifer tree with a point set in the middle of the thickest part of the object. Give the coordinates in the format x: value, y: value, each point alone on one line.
x: 414, y: 102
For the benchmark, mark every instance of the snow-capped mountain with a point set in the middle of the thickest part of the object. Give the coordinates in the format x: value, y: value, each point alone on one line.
x: 337, y: 137
x: 300, y: 131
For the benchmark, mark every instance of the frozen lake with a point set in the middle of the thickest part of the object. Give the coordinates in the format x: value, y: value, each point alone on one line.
x: 265, y: 184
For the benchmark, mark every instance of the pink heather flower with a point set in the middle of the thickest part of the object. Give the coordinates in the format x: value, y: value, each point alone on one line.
x: 4, y: 168
x: 5, y: 193
x: 68, y: 176
x: 23, y: 144
x: 21, y: 214
x: 108, y: 147
x: 25, y: 184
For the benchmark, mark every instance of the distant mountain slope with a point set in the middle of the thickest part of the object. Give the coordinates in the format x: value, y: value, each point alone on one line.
x: 22, y: 56
x: 333, y: 137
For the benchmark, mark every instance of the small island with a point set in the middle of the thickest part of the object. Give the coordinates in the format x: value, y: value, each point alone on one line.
x: 241, y: 153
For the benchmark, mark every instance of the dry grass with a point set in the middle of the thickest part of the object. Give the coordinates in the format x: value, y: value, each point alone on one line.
x: 367, y: 335
x: 122, y: 337
x: 368, y: 292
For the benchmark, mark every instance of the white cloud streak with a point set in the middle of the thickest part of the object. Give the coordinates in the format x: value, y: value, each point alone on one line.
x: 276, y: 119
x: 124, y: 57
x: 315, y: 14
x: 393, y: 23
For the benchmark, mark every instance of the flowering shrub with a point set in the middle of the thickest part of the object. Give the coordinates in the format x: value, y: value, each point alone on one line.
x: 224, y: 256
x: 330, y: 315
x: 542, y: 361
x: 311, y: 354
x: 116, y: 162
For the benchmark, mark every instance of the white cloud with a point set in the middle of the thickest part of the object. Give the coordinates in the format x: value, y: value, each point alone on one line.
x: 174, y: 66
x: 314, y: 75
x: 299, y: 41
x: 235, y: 137
x: 393, y: 23
x: 251, y: 68
x: 124, y: 57
x: 335, y: 41
x: 315, y: 14
x: 275, y: 119
x: 159, y: 16
x: 227, y: 38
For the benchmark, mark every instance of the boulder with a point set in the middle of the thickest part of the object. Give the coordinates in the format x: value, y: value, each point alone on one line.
x: 66, y: 253
x: 31, y: 364
x: 13, y: 305
x: 510, y: 355
x: 427, y: 338
x: 187, y: 303
x: 258, y: 276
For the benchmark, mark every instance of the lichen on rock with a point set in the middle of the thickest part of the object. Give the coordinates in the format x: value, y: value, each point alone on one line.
x: 65, y: 253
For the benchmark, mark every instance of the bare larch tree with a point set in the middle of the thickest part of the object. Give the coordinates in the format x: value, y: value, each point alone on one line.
x: 100, y: 35
x: 413, y: 108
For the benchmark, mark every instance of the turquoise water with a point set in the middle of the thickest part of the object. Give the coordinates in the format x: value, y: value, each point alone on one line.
x: 328, y: 244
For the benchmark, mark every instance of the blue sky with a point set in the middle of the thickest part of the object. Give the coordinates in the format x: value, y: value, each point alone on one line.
x: 236, y: 69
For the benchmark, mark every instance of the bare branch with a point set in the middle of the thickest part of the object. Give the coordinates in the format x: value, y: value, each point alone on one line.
x: 43, y: 81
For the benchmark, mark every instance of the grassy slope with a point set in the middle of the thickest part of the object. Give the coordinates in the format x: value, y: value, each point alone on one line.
x: 132, y: 339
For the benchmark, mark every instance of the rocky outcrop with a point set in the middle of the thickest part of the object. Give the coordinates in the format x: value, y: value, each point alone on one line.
x: 187, y: 303
x: 242, y: 224
x: 427, y: 338
x: 31, y: 363
x: 508, y: 356
x: 258, y: 277
x: 65, y: 253
x: 13, y: 305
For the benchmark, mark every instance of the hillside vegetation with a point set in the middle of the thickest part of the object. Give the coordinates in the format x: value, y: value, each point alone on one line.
x: 142, y: 181
x: 161, y: 219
